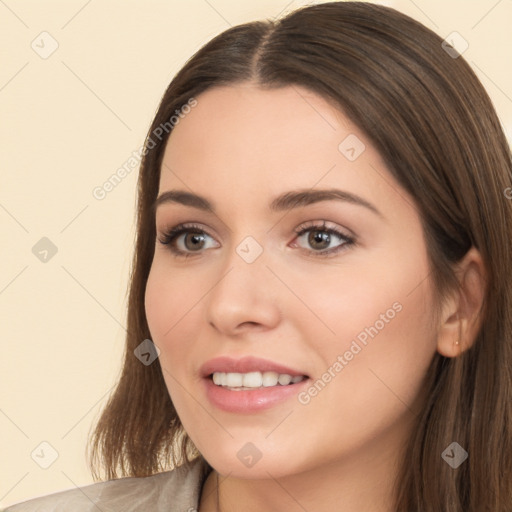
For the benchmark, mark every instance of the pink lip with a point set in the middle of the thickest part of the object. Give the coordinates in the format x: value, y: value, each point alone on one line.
x: 252, y: 400
x: 244, y: 365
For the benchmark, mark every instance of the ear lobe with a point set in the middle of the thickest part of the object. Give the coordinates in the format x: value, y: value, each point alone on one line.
x: 461, y: 318
x: 449, y: 336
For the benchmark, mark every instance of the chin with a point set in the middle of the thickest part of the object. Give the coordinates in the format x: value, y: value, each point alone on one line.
x: 251, y: 463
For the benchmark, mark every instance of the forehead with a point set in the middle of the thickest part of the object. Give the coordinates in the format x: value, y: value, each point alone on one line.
x: 246, y: 120
x: 240, y: 143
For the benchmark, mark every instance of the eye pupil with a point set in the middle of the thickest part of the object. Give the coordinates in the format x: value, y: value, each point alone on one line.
x: 319, y: 237
x: 196, y: 240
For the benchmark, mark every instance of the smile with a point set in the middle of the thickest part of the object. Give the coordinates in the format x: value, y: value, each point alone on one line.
x: 253, y: 380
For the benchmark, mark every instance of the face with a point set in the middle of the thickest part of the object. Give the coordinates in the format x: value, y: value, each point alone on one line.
x: 331, y: 288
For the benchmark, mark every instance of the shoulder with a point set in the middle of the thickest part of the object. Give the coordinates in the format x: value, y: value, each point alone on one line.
x: 176, y: 490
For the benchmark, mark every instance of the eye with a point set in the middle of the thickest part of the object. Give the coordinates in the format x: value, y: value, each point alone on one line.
x: 185, y: 239
x: 320, y: 238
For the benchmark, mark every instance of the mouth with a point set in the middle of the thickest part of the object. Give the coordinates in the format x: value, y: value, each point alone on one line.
x: 254, y: 380
x: 250, y: 384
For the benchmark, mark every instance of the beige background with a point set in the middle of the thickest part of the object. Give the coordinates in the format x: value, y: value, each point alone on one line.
x: 68, y: 122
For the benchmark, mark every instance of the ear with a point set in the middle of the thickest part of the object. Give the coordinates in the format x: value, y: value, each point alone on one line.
x: 461, y: 319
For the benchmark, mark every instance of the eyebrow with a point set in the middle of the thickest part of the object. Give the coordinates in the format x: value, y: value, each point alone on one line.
x: 283, y: 202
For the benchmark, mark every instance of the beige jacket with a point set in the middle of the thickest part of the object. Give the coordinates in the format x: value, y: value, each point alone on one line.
x: 178, y: 490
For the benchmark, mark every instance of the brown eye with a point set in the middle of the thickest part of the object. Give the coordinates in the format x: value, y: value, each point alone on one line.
x: 184, y: 240
x: 193, y: 241
x: 320, y: 238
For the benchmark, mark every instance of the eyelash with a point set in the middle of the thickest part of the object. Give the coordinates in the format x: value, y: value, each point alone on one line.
x: 171, y: 235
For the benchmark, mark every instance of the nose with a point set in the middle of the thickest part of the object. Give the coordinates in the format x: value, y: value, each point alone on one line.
x: 244, y: 298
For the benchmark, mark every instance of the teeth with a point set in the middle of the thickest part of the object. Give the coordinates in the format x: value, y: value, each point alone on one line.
x: 234, y: 380
x: 253, y: 380
x: 284, y: 379
x: 270, y: 379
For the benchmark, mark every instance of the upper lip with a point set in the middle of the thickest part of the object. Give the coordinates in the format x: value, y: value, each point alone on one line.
x: 245, y: 365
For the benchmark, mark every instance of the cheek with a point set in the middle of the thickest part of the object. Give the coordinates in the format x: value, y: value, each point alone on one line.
x: 176, y: 319
x: 169, y: 309
x: 364, y: 299
x: 169, y: 304
x: 170, y: 295
x: 382, y: 342
x: 159, y: 305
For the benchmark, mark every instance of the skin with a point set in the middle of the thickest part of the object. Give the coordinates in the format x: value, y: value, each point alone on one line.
x: 240, y: 147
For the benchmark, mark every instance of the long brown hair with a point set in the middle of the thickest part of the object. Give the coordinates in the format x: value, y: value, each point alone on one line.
x: 435, y: 127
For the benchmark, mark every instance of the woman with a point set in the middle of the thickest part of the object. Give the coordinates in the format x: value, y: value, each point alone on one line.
x: 321, y: 300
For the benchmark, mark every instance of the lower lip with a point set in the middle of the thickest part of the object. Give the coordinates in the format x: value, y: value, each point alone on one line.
x: 252, y: 400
